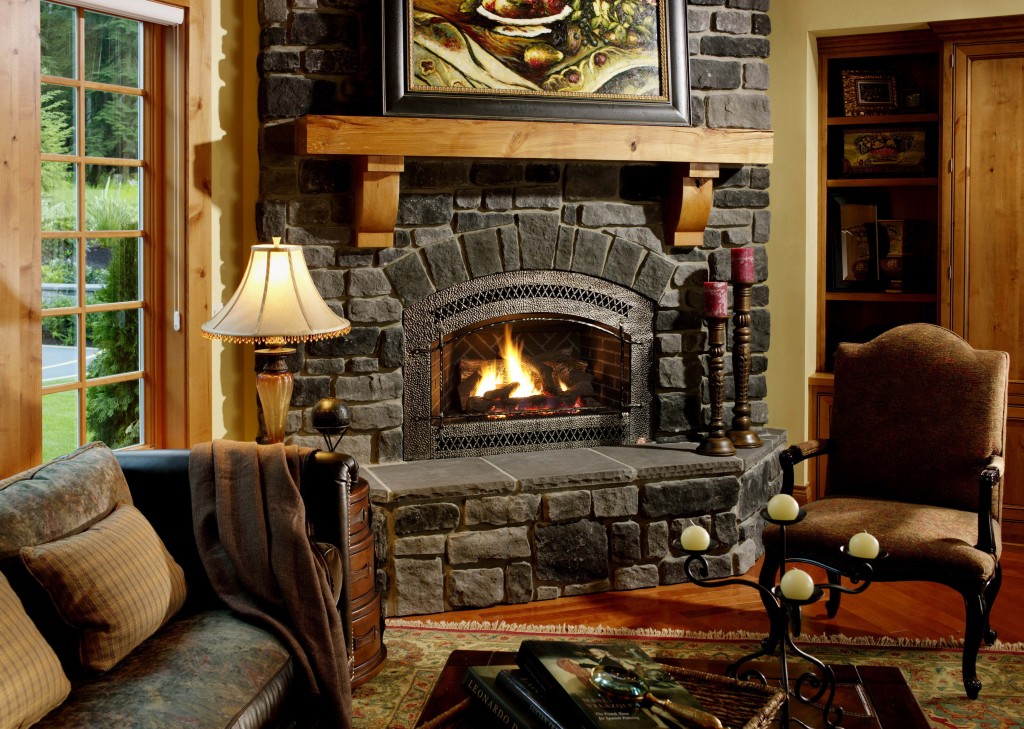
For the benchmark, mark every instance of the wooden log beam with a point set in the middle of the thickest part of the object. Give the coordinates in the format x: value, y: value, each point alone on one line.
x: 380, y: 145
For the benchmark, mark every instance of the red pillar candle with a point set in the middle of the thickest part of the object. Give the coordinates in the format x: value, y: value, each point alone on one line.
x: 743, y: 265
x: 716, y: 299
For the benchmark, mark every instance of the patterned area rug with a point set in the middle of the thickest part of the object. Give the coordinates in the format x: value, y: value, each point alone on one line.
x: 417, y: 652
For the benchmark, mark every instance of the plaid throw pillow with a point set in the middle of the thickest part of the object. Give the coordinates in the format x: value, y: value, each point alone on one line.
x: 115, y: 583
x: 32, y: 683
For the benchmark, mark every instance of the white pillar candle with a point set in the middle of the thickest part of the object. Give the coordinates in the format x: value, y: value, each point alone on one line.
x: 797, y: 585
x: 695, y: 538
x: 783, y: 507
x: 863, y: 545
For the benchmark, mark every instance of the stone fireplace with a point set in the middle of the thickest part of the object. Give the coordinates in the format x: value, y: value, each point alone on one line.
x: 493, y: 495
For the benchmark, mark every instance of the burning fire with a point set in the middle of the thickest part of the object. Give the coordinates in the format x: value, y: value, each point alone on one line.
x: 495, y: 375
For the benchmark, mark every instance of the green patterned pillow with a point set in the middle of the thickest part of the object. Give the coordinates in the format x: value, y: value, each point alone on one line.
x: 32, y: 683
x: 114, y: 583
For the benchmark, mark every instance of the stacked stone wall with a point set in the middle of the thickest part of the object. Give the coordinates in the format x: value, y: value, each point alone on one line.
x: 462, y: 218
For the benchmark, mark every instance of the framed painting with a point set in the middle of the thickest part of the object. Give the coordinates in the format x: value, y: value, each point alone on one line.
x: 866, y: 94
x: 880, y: 152
x: 853, y: 241
x: 621, y: 61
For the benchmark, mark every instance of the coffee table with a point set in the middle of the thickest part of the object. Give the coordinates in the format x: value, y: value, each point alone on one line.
x: 873, y: 697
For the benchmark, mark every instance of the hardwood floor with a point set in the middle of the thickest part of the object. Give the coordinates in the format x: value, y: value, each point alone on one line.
x: 906, y: 609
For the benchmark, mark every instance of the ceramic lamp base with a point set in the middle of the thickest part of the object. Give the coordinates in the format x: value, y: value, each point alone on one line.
x: 274, y: 386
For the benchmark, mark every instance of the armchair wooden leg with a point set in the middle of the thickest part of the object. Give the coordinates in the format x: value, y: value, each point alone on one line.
x: 975, y: 605
x: 991, y: 591
x: 832, y: 606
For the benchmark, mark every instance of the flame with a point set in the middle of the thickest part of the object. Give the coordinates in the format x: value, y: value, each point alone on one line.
x: 494, y: 375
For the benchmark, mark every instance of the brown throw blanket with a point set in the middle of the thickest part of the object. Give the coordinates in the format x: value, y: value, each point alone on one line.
x: 250, y: 525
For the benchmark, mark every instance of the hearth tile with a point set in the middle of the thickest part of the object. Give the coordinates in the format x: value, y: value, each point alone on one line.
x: 672, y: 460
x: 772, y: 438
x: 379, y: 493
x: 443, y: 477
x: 563, y: 468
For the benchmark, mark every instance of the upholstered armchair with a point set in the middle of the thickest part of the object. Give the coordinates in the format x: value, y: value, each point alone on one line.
x: 915, y: 455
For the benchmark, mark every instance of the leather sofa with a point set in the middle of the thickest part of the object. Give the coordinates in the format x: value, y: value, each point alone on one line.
x: 205, y: 667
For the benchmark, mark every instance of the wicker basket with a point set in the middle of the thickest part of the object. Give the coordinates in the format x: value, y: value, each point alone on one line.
x: 737, y: 704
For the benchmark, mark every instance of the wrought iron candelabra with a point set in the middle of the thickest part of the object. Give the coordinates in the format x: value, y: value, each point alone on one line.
x: 816, y: 686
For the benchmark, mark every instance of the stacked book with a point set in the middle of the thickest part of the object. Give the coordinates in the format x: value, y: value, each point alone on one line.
x: 566, y: 685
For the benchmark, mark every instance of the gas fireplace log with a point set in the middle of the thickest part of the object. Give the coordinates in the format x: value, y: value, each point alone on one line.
x: 577, y: 382
x: 500, y: 394
x: 466, y: 389
x: 541, y: 373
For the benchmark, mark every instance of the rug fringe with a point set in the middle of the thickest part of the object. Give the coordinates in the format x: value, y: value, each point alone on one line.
x: 500, y: 626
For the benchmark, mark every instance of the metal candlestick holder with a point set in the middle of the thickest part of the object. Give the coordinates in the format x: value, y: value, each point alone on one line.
x: 741, y: 434
x: 717, y: 443
x: 818, y: 684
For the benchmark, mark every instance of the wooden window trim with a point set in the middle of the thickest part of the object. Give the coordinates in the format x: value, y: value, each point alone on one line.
x: 186, y: 404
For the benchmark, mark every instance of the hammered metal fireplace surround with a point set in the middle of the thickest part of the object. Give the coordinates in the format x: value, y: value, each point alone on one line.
x: 587, y: 343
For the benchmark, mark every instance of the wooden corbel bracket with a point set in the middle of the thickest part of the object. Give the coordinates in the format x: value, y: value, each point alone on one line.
x: 376, y: 199
x: 688, y: 205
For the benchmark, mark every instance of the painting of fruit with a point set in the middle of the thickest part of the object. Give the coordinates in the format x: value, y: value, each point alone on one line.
x: 566, y: 48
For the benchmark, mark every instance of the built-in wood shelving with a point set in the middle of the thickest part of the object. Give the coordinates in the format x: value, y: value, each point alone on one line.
x: 880, y: 297
x: 884, y: 182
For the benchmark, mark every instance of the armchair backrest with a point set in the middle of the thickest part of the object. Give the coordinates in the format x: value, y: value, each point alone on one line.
x: 916, y: 414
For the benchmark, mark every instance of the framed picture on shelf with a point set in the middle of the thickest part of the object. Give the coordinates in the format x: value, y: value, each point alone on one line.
x: 557, y: 60
x: 869, y: 94
x: 853, y: 248
x: 884, y: 152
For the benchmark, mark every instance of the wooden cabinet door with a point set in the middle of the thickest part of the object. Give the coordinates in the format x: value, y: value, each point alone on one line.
x: 986, y: 295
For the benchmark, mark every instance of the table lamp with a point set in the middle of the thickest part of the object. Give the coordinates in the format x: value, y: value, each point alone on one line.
x: 276, y: 303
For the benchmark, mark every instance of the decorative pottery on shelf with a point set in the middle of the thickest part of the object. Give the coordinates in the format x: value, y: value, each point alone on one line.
x: 899, y: 237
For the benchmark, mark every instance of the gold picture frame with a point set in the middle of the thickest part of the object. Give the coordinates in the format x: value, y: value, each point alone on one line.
x: 537, y: 60
x: 885, y: 151
x: 869, y: 94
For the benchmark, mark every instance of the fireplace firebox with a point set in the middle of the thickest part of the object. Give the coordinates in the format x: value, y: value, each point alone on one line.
x: 526, y: 360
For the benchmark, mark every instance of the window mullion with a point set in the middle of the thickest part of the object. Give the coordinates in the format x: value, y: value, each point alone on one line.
x: 82, y: 226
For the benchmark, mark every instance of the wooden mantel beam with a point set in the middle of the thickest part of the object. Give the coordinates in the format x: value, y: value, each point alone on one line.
x: 382, y: 143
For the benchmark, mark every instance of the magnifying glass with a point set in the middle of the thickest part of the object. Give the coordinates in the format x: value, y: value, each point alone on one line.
x: 621, y: 683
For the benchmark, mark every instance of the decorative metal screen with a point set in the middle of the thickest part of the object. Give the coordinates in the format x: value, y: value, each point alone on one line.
x: 611, y: 324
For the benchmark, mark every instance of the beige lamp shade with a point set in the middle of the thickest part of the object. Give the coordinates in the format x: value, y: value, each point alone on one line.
x: 276, y: 302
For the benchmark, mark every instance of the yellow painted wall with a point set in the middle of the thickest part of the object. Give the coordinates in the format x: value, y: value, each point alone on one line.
x: 794, y: 100
x: 793, y: 254
x: 235, y: 39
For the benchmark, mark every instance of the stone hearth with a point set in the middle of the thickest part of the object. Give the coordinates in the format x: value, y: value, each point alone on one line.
x: 513, y: 528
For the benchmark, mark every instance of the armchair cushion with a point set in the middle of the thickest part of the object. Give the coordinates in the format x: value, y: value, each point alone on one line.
x: 917, y: 413
x: 924, y: 542
x: 114, y: 583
